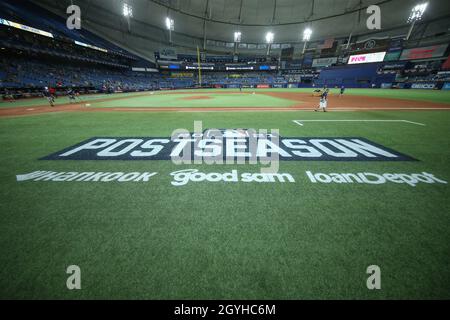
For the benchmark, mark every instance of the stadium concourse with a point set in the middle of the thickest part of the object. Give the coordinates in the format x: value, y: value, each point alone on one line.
x: 170, y: 150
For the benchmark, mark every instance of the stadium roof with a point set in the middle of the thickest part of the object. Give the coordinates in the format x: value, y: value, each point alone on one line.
x: 219, y: 19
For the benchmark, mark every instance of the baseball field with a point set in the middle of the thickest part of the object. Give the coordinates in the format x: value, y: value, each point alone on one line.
x: 142, y: 230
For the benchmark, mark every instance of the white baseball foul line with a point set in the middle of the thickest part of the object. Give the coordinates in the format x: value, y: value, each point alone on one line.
x: 300, y: 122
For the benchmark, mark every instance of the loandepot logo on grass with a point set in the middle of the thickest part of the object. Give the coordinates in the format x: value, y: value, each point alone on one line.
x: 229, y: 147
x: 185, y: 177
x: 374, y: 178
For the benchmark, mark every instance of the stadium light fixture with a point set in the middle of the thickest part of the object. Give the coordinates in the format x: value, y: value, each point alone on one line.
x: 237, y: 36
x: 416, y: 15
x: 127, y: 10
x: 237, y: 39
x: 307, y: 34
x: 170, y: 24
x: 306, y: 37
x: 417, y: 12
x: 269, y: 40
x: 269, y: 37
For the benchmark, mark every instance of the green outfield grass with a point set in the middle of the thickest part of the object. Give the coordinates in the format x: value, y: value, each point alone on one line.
x: 440, y: 96
x: 218, y: 240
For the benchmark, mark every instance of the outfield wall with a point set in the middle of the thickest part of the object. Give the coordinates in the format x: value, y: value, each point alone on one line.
x: 360, y: 76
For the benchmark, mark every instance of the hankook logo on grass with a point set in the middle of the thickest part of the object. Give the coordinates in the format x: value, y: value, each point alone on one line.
x: 219, y: 146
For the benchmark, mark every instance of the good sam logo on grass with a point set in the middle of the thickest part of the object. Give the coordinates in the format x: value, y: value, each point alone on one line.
x: 218, y: 146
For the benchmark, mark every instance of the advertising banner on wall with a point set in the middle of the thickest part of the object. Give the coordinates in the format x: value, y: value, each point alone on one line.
x: 296, y: 64
x: 393, y: 66
x: 25, y: 28
x: 428, y: 86
x: 424, y: 52
x: 370, y: 44
x: 367, y: 58
x: 324, y: 62
x: 239, y: 68
x: 182, y: 75
x: 90, y: 46
x: 396, y: 44
x: 168, y: 54
x: 393, y: 55
x: 144, y: 69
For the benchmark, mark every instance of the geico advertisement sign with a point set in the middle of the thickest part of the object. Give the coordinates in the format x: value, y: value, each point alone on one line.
x: 423, y: 86
x: 185, y: 177
x: 225, y: 148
